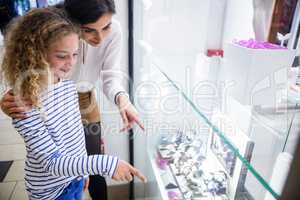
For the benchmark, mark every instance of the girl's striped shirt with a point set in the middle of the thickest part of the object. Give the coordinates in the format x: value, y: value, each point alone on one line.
x: 55, y: 144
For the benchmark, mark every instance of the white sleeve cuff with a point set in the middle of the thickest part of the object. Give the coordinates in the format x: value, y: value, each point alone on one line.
x: 119, y: 94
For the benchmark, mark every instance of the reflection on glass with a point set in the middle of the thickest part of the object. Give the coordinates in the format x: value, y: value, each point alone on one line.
x: 224, y: 154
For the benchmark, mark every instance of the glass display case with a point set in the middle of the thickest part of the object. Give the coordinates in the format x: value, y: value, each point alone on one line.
x: 221, y: 120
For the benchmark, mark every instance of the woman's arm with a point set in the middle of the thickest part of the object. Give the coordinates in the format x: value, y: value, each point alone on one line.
x: 114, y: 76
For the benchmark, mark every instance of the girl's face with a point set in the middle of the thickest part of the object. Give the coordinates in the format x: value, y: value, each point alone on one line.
x: 94, y: 33
x: 62, y: 56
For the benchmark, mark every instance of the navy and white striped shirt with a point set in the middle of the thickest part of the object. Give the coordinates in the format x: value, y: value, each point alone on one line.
x: 55, y: 144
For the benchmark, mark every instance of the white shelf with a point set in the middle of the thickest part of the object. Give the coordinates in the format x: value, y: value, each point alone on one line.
x: 158, y: 176
x: 163, y: 178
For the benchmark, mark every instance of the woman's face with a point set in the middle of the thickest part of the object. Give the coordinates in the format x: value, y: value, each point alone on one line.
x: 94, y: 33
x: 62, y: 56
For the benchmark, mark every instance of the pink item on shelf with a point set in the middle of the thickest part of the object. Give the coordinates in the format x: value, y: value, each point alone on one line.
x: 254, y: 44
x: 161, y: 163
x: 173, y: 195
x: 215, y: 52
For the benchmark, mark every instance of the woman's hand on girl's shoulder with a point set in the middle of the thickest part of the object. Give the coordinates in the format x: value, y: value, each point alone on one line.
x: 13, y: 108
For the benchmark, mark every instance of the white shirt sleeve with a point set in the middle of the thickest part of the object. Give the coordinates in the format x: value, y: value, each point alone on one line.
x: 114, y: 74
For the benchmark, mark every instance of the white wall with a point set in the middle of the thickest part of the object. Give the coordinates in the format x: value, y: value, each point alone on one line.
x: 238, y: 23
x: 238, y: 20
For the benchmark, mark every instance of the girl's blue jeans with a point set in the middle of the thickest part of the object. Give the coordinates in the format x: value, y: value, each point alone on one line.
x: 74, y: 191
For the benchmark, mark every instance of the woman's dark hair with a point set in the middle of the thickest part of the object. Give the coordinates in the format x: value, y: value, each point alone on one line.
x: 7, y: 13
x: 88, y: 11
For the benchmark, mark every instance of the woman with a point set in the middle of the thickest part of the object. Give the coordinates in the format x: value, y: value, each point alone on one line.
x: 41, y: 48
x: 99, y: 58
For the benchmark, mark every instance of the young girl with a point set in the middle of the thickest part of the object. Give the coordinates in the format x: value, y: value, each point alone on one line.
x: 40, y: 50
x: 98, y: 61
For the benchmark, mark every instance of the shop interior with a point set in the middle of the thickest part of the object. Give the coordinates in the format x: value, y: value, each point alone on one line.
x: 216, y: 84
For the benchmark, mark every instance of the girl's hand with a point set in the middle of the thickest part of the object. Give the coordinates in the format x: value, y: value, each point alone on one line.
x: 128, y: 113
x: 11, y: 107
x: 126, y: 172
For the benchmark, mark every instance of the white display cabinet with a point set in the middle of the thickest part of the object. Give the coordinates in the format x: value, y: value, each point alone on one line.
x: 201, y: 140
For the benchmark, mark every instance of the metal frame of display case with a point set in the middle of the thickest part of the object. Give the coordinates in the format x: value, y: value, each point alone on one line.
x: 130, y: 73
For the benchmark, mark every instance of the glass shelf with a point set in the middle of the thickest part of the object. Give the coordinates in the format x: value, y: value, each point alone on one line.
x: 189, y: 101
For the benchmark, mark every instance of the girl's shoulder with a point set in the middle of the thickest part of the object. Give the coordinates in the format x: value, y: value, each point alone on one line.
x: 58, y: 93
x: 61, y: 86
x: 68, y: 83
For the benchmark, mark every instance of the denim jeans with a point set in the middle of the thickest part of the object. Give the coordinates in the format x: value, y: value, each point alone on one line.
x: 74, y: 191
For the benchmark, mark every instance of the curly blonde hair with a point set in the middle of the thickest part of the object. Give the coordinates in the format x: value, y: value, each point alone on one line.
x: 27, y: 41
